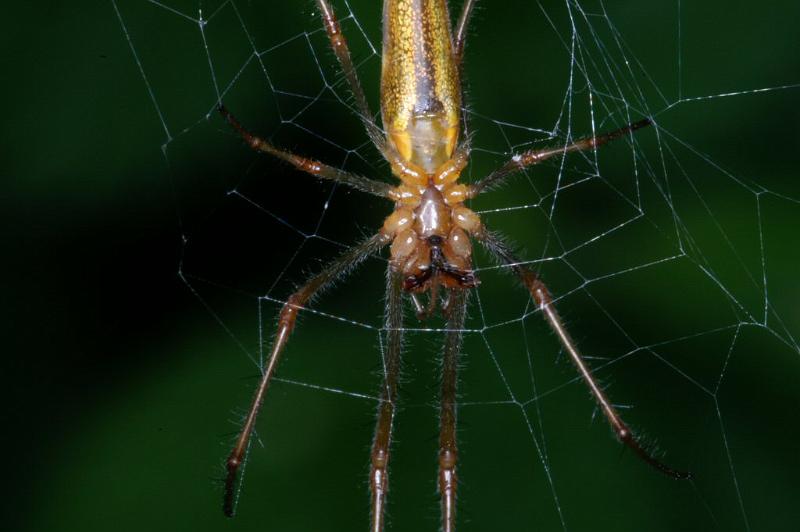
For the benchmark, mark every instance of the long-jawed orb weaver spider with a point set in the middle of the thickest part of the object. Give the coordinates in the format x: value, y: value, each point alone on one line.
x: 430, y: 229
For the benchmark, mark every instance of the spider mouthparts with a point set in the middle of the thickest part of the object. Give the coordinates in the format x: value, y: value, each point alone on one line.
x: 414, y: 283
x: 464, y: 278
x: 420, y: 281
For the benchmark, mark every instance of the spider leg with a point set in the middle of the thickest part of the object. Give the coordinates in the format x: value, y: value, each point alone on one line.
x: 448, y: 448
x: 460, y: 36
x: 544, y: 301
x: 379, y: 455
x: 310, y: 166
x: 339, y: 267
x: 342, y: 51
x: 532, y: 157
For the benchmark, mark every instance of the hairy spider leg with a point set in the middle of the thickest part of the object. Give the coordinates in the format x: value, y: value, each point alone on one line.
x: 342, y: 52
x: 460, y: 36
x: 448, y: 442
x: 541, y: 295
x: 335, y: 270
x: 523, y: 160
x: 307, y: 165
x: 382, y: 441
x: 459, y: 42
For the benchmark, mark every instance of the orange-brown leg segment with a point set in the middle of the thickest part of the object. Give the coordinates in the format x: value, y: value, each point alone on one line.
x: 310, y: 166
x: 532, y: 157
x: 340, y: 48
x: 339, y: 267
x: 544, y: 301
x: 381, y: 443
x: 448, y: 448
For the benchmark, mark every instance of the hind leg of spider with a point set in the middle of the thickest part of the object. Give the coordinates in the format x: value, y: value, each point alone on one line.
x: 448, y: 448
x: 381, y: 443
x: 310, y: 166
x: 335, y: 270
x: 541, y: 295
x: 342, y: 52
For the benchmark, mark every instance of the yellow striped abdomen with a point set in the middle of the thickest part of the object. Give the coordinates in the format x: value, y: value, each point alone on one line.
x: 420, y: 90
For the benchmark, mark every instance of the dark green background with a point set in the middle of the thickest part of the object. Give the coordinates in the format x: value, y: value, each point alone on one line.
x: 125, y: 381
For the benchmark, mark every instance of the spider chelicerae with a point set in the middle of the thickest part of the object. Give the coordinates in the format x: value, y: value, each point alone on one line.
x: 430, y: 230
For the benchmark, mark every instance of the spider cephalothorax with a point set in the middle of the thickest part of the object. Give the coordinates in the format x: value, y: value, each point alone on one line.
x: 430, y: 227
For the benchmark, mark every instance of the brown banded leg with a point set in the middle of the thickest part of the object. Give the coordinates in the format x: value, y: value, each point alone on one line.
x: 532, y: 157
x: 544, y: 301
x: 310, y: 166
x: 448, y: 448
x: 342, y: 51
x: 381, y: 444
x: 340, y: 266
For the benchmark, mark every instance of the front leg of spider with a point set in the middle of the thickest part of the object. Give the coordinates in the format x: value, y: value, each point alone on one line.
x: 306, y: 164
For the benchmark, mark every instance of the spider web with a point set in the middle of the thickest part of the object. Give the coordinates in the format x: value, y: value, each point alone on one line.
x: 670, y: 256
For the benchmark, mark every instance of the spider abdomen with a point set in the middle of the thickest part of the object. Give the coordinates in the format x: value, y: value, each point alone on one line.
x: 420, y: 89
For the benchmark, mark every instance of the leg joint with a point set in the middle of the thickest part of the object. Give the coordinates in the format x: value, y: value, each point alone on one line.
x: 289, y: 311
x: 380, y: 458
x: 448, y: 458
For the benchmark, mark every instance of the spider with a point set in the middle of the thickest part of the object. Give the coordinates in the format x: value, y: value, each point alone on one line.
x: 430, y: 230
